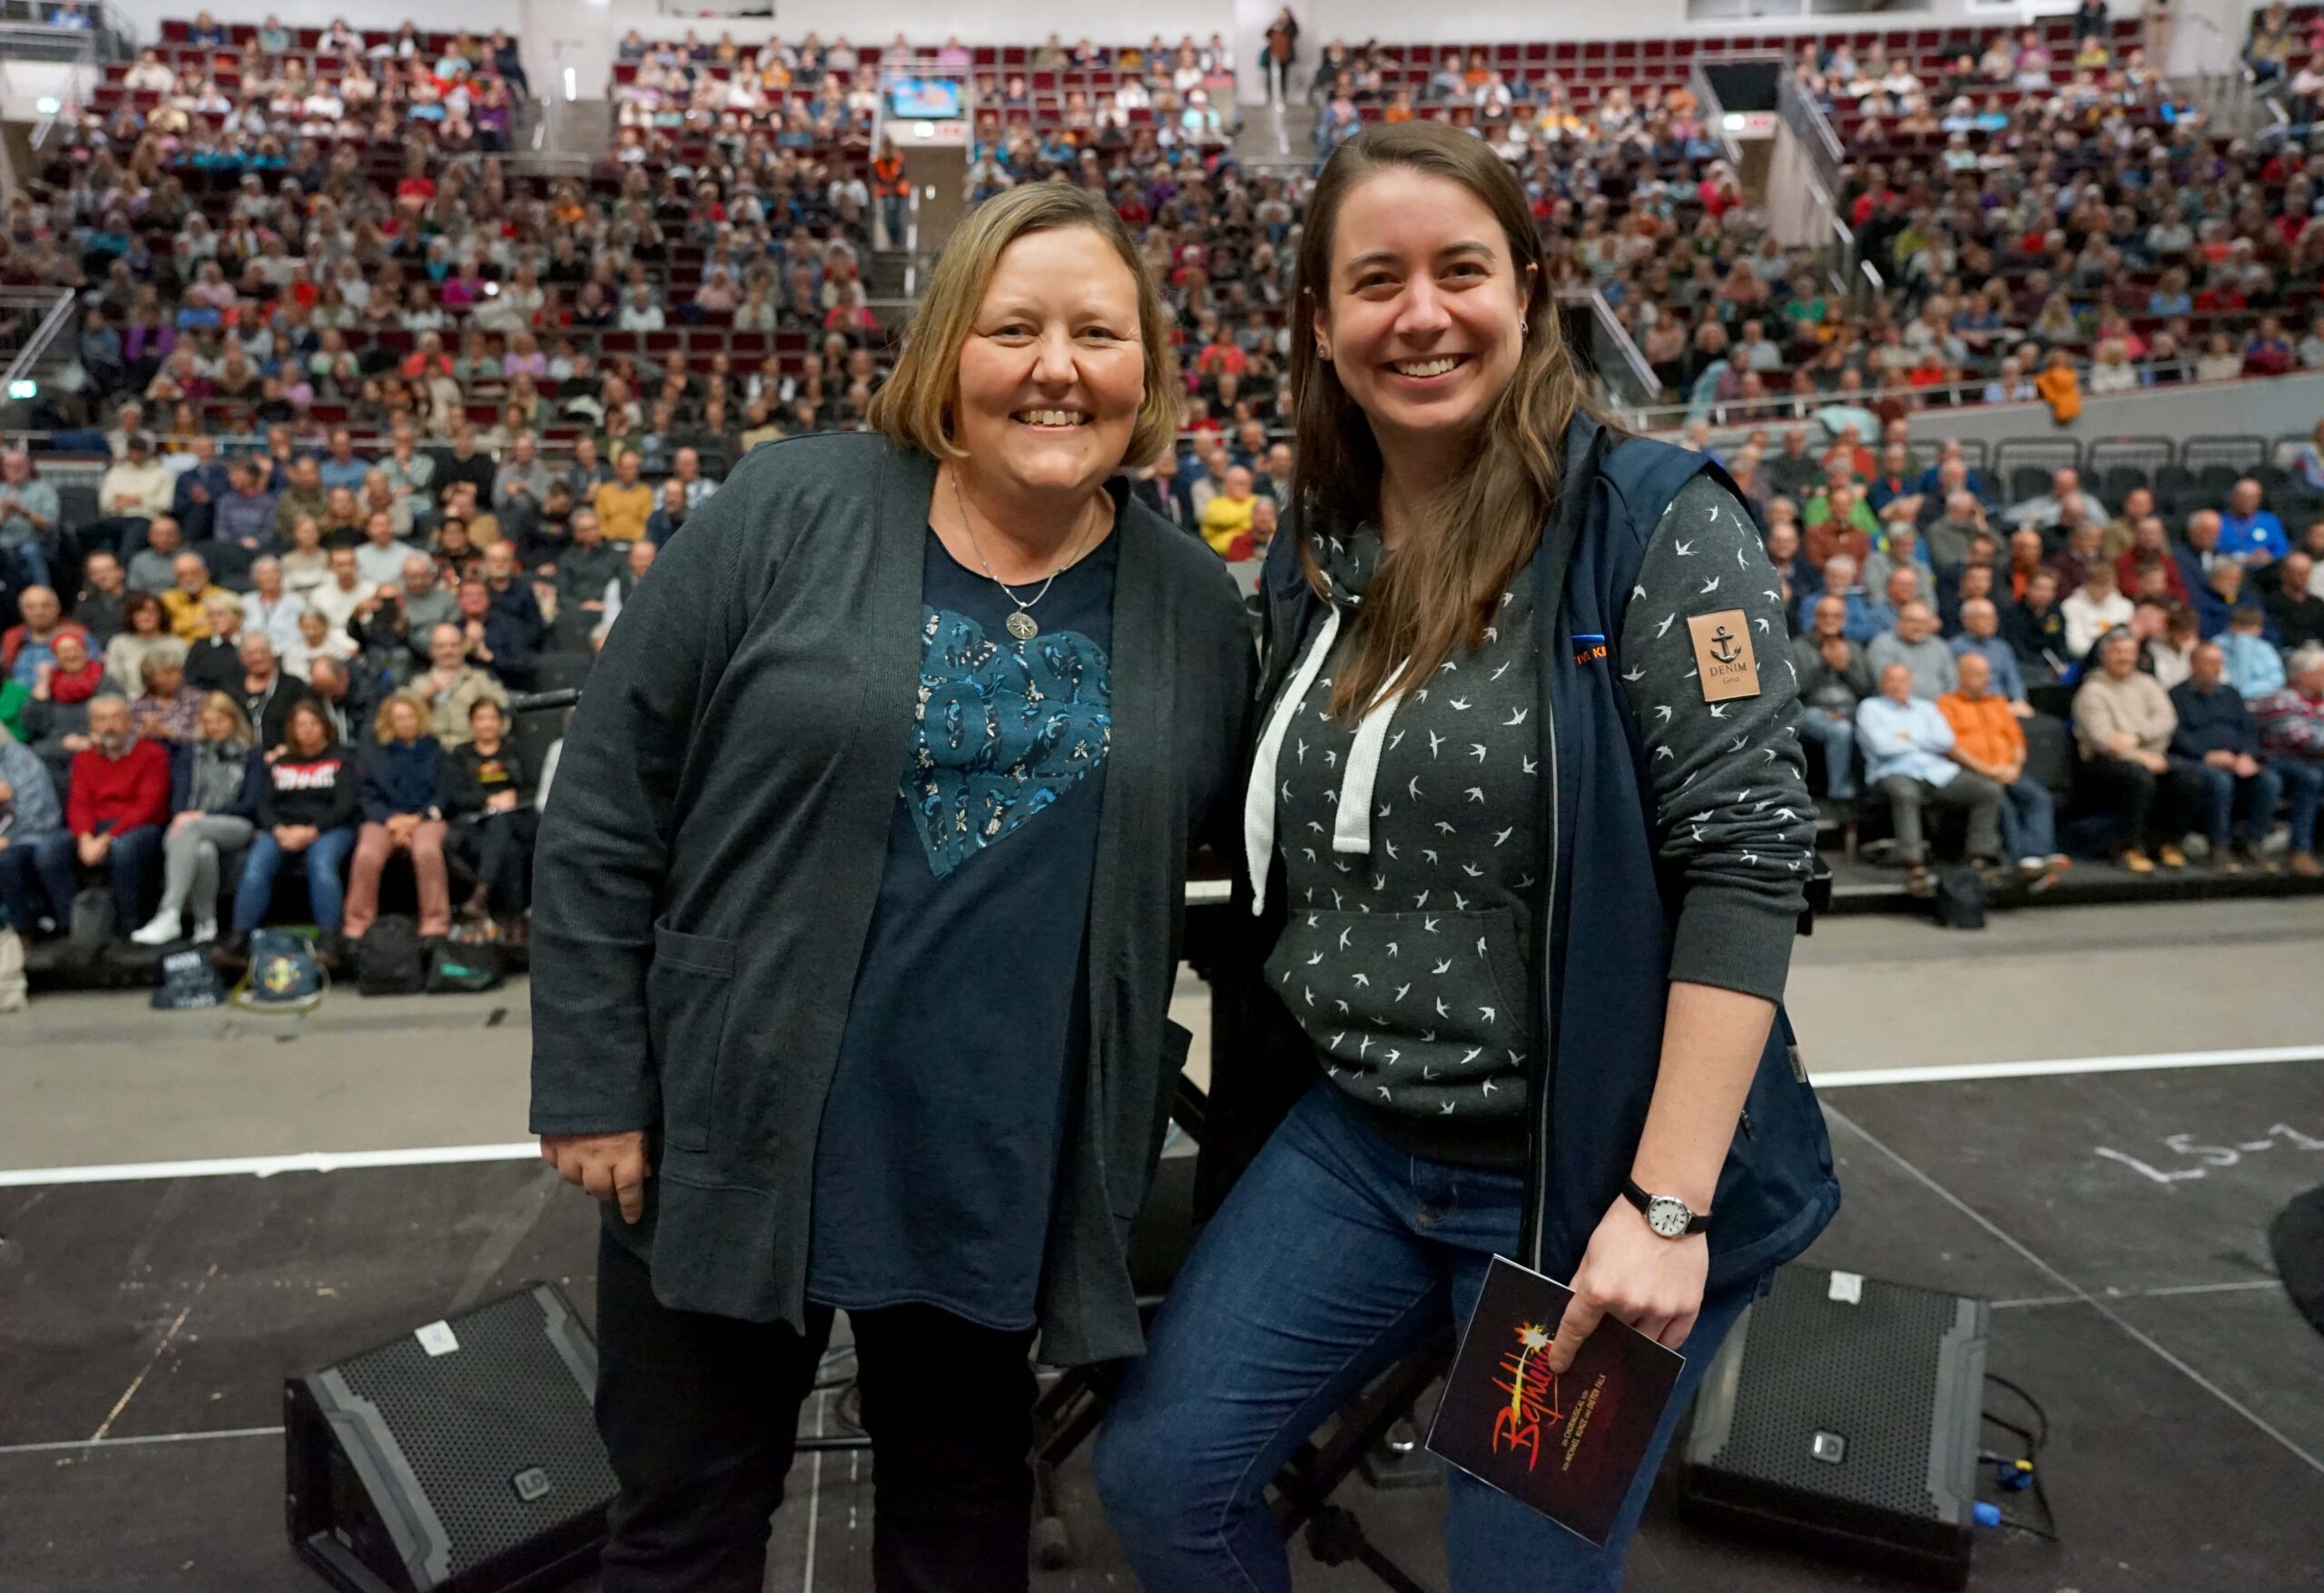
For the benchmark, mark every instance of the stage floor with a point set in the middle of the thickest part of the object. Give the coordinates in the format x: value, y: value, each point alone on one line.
x: 2116, y: 1220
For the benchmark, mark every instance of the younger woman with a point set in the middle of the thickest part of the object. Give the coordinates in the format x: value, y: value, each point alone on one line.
x: 1526, y: 832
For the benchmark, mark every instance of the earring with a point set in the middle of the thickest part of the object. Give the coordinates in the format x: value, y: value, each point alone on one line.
x: 1321, y: 353
x: 1521, y: 325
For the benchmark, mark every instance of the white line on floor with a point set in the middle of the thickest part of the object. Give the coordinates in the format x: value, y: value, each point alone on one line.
x: 426, y: 1156
x: 814, y: 1498
x: 115, y: 1443
x: 1947, y: 1073
x: 431, y: 1156
x: 2161, y: 1293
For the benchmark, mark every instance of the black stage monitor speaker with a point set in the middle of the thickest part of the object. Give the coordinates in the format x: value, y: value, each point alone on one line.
x: 1842, y: 1416
x: 460, y: 1458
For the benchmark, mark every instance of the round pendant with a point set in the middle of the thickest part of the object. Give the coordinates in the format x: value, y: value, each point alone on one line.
x: 1022, y: 627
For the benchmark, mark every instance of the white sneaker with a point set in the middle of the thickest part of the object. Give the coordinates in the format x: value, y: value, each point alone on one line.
x: 204, y: 930
x: 160, y: 932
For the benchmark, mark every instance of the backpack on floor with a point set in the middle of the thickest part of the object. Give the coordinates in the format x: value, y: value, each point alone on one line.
x: 93, y: 926
x: 283, y: 975
x: 1960, y: 898
x: 186, y: 981
x: 463, y: 969
x: 387, y: 961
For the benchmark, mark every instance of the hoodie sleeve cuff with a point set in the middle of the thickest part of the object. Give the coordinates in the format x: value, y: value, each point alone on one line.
x: 1733, y: 940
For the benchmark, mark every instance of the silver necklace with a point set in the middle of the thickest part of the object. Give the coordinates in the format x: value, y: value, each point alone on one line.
x: 1022, y: 625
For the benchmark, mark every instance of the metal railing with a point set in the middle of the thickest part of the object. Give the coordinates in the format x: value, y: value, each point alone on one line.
x: 99, y: 19
x: 44, y: 313
x: 1621, y: 370
x: 1813, y: 128
x: 1785, y: 408
x: 64, y: 59
x: 1713, y: 110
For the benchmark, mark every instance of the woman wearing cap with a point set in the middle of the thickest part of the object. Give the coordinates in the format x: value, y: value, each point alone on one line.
x: 855, y: 920
x: 1527, y: 833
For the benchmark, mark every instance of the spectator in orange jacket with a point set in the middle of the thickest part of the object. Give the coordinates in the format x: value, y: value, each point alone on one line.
x: 1988, y: 739
x: 2060, y: 387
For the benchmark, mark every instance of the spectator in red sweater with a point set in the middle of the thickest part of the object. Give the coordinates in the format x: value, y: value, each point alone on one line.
x: 2150, y: 548
x: 120, y: 800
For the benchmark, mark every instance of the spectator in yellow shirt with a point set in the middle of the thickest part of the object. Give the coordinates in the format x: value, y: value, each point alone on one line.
x: 187, y: 603
x: 625, y: 503
x: 1227, y: 516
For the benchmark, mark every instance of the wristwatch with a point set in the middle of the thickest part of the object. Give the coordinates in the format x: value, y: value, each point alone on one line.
x: 1667, y: 1214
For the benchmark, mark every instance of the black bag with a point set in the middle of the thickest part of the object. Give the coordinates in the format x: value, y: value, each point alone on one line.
x: 455, y: 970
x: 94, y: 927
x: 1960, y: 898
x: 387, y: 961
x: 187, y: 982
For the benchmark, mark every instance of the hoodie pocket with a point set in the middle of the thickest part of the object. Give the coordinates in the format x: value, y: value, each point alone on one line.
x: 687, y: 989
x: 1444, y: 989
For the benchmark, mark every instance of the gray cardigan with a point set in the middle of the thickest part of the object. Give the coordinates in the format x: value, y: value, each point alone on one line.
x: 706, y: 877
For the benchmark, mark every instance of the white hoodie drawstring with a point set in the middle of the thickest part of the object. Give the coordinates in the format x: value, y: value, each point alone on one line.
x: 1352, y: 825
x: 1259, y: 800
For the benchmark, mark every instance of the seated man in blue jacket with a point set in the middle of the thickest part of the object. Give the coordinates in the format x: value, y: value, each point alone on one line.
x: 2218, y: 744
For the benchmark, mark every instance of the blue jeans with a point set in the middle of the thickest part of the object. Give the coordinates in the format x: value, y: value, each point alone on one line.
x: 1836, y: 733
x: 134, y: 870
x: 33, y: 560
x: 48, y: 862
x: 2303, y: 783
x: 324, y: 860
x: 1335, y: 1256
x: 2028, y: 820
x: 2221, y: 788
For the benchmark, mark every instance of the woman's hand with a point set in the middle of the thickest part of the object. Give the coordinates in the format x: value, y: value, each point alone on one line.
x: 1633, y: 1274
x: 608, y: 1165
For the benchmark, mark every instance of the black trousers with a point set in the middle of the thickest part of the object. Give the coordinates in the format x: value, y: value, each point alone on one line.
x: 499, y: 848
x: 699, y: 1414
x: 2152, y: 807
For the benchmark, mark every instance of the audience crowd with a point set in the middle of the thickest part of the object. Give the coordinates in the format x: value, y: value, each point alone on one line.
x: 2058, y: 656
x: 392, y: 435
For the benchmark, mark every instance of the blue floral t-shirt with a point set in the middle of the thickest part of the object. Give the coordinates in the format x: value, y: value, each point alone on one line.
x: 968, y: 1028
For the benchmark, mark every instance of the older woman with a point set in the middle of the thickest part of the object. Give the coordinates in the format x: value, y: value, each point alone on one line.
x: 167, y: 710
x: 214, y: 806
x: 854, y: 927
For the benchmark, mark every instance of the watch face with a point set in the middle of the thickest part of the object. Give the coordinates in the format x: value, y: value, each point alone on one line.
x: 1668, y: 1216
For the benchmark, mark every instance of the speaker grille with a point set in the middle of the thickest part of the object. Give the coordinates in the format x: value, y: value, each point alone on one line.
x: 1867, y: 1371
x: 468, y: 1423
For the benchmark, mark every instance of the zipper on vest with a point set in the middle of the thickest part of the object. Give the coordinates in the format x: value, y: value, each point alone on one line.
x: 1540, y: 1147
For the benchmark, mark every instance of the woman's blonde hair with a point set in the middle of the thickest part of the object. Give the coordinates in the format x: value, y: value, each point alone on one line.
x: 220, y: 702
x: 915, y: 406
x: 383, y: 728
x: 1441, y: 589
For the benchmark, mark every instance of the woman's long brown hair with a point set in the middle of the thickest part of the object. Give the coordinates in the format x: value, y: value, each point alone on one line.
x: 1439, y: 591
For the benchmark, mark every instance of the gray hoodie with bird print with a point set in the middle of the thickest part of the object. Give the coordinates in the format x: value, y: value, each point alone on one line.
x: 1413, y: 841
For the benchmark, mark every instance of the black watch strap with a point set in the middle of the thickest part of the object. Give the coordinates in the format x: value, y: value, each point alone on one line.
x: 1641, y: 1199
